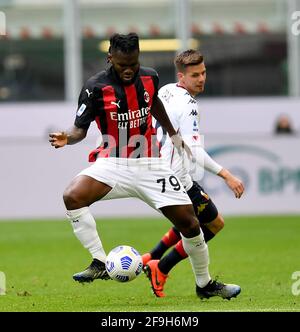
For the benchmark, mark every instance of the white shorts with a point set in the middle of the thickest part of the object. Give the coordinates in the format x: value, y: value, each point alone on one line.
x: 149, y: 179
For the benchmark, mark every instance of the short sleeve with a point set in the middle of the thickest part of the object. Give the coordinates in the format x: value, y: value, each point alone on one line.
x: 85, y: 112
x: 167, y: 98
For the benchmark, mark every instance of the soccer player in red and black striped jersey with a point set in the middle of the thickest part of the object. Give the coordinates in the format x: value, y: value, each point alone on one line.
x: 122, y: 101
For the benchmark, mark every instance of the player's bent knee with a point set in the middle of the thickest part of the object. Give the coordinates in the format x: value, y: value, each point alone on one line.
x: 220, y: 222
x: 216, y: 225
x: 72, y: 200
x: 190, y: 228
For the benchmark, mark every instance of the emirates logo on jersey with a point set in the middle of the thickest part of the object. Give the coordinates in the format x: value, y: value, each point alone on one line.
x: 132, y: 119
x: 146, y: 97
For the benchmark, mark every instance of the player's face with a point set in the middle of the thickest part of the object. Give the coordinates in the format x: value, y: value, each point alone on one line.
x: 193, y: 79
x: 126, y: 65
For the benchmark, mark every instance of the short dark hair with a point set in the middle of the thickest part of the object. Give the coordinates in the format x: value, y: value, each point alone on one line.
x: 188, y: 58
x: 124, y: 43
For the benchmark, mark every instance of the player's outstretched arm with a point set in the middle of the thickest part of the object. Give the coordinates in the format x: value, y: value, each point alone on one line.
x: 235, y: 184
x: 72, y: 136
x: 206, y: 161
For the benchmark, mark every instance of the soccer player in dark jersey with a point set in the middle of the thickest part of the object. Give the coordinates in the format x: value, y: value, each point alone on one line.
x: 122, y: 101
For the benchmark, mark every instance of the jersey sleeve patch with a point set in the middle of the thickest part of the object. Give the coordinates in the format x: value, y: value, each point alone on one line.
x: 81, y: 110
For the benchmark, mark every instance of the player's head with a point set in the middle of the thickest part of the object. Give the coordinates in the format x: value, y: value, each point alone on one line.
x: 191, y: 71
x: 123, y: 54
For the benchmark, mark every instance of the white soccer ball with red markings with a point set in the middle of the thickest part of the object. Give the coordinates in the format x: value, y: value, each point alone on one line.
x: 124, y: 263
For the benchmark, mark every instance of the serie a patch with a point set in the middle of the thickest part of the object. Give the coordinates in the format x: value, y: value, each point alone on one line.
x: 81, y: 109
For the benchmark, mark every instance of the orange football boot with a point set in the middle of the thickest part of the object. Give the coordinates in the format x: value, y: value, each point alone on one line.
x: 156, y: 277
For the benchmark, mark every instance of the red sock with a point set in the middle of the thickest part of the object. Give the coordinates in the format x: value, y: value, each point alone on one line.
x: 180, y: 250
x: 170, y: 238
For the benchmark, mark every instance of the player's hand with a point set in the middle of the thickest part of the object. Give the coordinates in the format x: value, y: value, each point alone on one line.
x: 181, y: 146
x: 235, y: 184
x: 58, y: 140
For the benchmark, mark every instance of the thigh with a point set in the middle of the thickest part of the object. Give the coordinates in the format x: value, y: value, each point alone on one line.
x: 85, y: 190
x: 102, y: 180
x: 113, y: 174
x: 204, y: 207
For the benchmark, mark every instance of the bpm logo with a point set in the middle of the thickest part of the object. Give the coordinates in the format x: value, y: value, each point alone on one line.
x: 268, y: 175
x: 296, y: 25
x: 242, y: 172
x: 2, y: 24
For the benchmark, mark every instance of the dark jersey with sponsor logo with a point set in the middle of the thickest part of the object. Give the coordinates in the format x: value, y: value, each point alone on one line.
x: 122, y: 113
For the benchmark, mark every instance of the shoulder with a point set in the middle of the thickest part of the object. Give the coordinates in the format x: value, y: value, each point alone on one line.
x: 147, y: 71
x: 96, y: 80
x: 172, y: 93
x: 92, y: 86
x: 168, y: 87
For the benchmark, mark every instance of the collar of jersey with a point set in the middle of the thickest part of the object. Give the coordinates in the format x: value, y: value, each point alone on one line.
x: 182, y: 87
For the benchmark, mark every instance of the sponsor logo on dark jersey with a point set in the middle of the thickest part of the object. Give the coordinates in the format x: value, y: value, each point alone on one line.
x: 88, y: 92
x: 134, y: 118
x: 116, y: 103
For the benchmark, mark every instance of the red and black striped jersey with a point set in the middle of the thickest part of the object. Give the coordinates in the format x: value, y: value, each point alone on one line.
x: 122, y: 113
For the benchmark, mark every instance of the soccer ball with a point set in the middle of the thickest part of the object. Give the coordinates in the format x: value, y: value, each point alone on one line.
x: 123, y: 263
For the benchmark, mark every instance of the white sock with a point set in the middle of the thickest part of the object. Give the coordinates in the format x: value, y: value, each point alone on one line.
x: 84, y: 227
x: 197, y: 250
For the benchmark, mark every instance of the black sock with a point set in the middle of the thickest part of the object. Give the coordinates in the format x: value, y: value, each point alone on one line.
x: 169, y: 261
x: 161, y: 247
x: 208, y: 234
x: 158, y: 251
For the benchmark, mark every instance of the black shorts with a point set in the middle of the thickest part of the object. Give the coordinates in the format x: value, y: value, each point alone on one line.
x: 204, y: 207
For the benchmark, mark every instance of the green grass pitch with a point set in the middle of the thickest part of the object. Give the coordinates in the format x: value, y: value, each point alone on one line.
x: 258, y: 253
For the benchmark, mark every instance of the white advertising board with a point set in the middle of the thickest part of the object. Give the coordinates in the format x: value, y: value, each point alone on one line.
x: 34, y: 175
x: 269, y: 167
